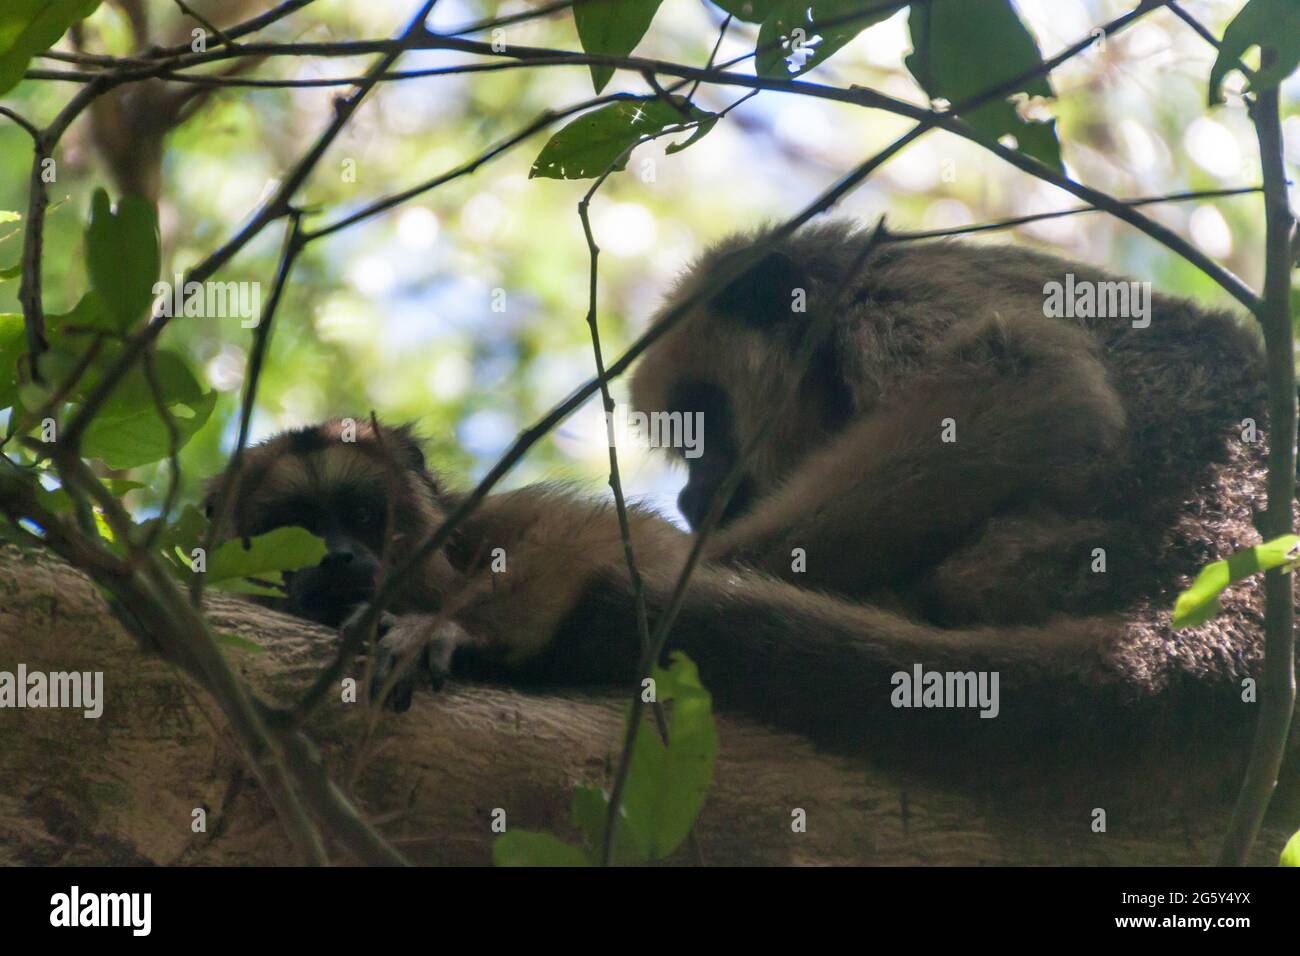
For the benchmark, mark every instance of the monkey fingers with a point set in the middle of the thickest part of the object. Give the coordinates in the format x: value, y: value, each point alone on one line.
x: 410, y: 647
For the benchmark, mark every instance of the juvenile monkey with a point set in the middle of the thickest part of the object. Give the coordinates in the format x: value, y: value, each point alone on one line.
x: 976, y: 488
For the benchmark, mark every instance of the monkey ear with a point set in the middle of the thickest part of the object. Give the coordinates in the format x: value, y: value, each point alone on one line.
x: 767, y: 293
x: 412, y: 454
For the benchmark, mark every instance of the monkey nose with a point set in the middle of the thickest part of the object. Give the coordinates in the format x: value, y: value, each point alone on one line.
x: 337, y: 559
x: 691, y: 502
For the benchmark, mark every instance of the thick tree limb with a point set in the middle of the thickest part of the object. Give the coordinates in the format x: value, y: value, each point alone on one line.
x: 121, y: 789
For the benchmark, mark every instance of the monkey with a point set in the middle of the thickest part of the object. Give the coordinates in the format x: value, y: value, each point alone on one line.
x: 1095, y: 463
x: 1065, y: 433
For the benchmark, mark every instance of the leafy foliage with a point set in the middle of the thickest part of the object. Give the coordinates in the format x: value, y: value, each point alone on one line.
x: 817, y: 41
x: 28, y: 27
x: 612, y: 28
x: 129, y: 429
x: 950, y: 66
x: 1274, y: 24
x: 666, y: 787
x: 1200, y: 602
x: 588, y: 146
x: 284, y: 549
x: 123, y: 256
x: 1291, y: 852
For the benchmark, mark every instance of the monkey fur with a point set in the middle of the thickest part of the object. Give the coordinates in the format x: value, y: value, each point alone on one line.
x: 1069, y: 441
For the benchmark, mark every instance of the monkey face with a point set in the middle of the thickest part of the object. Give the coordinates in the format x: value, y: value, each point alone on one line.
x: 352, y: 527
x: 718, y: 453
x: 731, y: 356
x: 340, y: 481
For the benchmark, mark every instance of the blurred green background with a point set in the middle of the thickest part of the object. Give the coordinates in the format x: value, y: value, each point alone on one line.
x: 396, y: 314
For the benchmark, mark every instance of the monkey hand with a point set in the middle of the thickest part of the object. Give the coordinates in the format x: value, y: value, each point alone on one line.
x: 412, y: 648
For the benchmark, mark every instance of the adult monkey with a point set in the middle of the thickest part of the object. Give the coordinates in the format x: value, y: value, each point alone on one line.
x: 966, y: 485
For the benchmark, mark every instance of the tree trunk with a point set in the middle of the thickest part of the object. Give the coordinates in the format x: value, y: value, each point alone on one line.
x: 122, y: 789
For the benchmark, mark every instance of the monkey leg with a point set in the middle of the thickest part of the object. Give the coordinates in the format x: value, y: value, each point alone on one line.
x: 1025, y: 568
x: 1010, y: 414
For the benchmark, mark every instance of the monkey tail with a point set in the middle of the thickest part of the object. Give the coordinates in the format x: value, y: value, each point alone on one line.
x: 859, y: 678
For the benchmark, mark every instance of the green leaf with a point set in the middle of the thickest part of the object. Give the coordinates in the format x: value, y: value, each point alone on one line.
x: 1274, y: 24
x: 1200, y: 602
x: 700, y: 131
x: 525, y: 848
x: 9, y: 216
x: 611, y: 28
x: 28, y: 27
x: 284, y: 549
x: 666, y: 786
x: 187, y: 530
x: 951, y: 64
x: 242, y: 586
x: 129, y: 431
x: 1291, y: 852
x: 773, y: 47
x: 13, y: 272
x: 588, y: 145
x: 89, y: 314
x: 123, y: 255
x: 57, y: 499
x: 590, y: 813
x: 13, y: 345
x: 141, y: 437
x: 751, y: 11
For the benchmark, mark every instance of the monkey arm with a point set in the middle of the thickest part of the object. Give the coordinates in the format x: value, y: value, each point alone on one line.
x: 1009, y: 413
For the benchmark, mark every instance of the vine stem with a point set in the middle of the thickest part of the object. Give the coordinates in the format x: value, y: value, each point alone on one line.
x: 1277, y: 683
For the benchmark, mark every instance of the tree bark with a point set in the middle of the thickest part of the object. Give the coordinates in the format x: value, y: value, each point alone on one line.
x: 123, y: 788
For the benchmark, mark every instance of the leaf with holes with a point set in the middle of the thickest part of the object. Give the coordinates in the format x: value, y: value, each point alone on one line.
x: 588, y: 145
x: 791, y: 42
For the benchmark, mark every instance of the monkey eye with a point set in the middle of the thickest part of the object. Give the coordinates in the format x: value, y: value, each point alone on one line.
x: 365, y: 517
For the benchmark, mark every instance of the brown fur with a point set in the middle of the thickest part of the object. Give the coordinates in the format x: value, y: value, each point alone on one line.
x: 974, y: 555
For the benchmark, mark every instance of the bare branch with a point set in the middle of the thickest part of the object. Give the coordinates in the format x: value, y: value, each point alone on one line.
x: 292, y: 246
x: 1062, y: 213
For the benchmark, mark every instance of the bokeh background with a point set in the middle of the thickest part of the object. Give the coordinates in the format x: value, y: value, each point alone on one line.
x: 396, y: 314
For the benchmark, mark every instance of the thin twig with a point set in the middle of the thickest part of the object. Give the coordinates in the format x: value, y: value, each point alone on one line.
x: 22, y: 121
x: 1062, y: 213
x: 207, y: 25
x: 289, y: 251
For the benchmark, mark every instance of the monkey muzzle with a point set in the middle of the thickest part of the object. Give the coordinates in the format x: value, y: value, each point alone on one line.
x: 328, y: 592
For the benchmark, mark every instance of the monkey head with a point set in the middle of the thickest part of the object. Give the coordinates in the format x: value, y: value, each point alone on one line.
x: 339, y: 480
x: 731, y: 356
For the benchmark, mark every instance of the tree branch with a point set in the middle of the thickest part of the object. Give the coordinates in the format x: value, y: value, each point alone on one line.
x: 1277, y: 682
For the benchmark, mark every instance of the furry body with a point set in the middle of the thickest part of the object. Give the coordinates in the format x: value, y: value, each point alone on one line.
x: 977, y: 554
